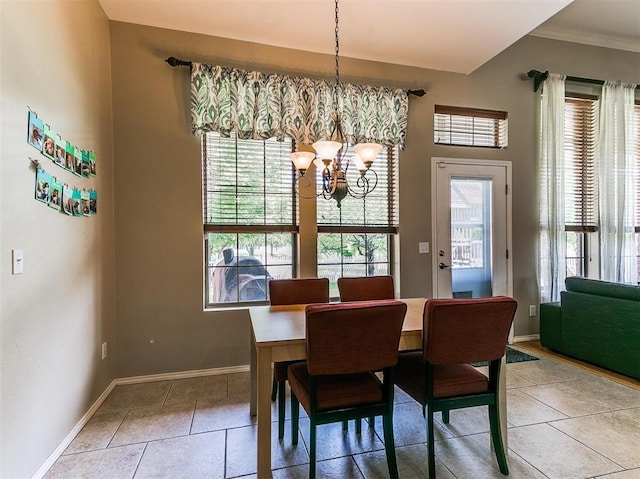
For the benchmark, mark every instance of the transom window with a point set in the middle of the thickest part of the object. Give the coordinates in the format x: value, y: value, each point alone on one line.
x: 462, y: 126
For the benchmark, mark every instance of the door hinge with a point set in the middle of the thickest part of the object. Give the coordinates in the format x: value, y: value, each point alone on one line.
x: 506, y: 189
x: 507, y: 254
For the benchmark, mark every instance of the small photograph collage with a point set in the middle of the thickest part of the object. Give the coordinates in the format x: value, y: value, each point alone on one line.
x: 62, y: 153
x: 62, y: 197
x: 72, y: 201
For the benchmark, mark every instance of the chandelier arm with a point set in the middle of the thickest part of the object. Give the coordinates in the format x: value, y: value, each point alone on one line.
x: 306, y: 183
x: 375, y: 183
x: 363, y: 186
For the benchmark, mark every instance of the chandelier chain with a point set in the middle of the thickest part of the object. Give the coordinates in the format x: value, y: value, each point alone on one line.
x: 337, y: 86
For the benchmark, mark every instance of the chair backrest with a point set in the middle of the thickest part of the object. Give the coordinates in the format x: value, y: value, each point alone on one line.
x: 346, y: 338
x: 366, y: 288
x: 298, y: 291
x: 457, y: 331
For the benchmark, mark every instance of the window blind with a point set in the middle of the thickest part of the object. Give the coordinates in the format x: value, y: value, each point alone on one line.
x: 469, y: 127
x: 248, y: 183
x: 379, y: 209
x: 581, y: 176
x: 636, y: 113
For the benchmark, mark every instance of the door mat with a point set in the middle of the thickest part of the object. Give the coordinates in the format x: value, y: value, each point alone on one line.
x: 513, y: 356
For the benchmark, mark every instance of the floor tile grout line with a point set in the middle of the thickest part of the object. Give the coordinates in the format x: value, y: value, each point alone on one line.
x: 117, y: 429
x: 545, y: 404
x: 534, y: 347
x: 166, y: 395
x: 193, y: 417
x: 226, y: 449
x: 139, y: 461
x: 623, y: 468
x: 511, y: 451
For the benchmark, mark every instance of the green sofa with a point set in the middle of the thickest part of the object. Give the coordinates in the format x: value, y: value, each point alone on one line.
x: 597, y: 322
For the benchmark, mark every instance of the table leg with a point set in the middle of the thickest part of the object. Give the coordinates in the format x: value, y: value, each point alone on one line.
x: 254, y: 377
x: 502, y: 399
x: 264, y: 411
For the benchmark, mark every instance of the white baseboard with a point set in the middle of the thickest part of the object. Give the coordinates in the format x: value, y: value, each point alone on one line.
x: 528, y: 337
x: 39, y: 474
x: 182, y: 375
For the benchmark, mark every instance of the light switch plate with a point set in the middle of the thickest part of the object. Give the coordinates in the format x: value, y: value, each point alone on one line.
x: 17, y: 261
x: 423, y: 247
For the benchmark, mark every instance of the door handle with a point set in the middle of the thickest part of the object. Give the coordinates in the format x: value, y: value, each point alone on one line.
x: 443, y: 266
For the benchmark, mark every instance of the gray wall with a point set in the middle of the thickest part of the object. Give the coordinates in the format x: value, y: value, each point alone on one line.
x: 138, y: 284
x: 159, y: 252
x: 53, y: 318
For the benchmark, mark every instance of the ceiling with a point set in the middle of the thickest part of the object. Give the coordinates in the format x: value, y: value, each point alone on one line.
x: 448, y: 35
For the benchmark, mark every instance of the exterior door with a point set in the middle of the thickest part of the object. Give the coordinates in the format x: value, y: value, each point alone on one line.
x: 472, y: 228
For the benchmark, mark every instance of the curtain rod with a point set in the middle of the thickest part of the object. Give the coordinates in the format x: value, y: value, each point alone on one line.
x: 539, y: 78
x: 174, y: 62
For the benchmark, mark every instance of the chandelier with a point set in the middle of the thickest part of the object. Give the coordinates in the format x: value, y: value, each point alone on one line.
x: 332, y: 156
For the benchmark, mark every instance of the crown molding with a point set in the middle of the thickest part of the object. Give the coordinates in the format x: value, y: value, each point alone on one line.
x: 595, y: 40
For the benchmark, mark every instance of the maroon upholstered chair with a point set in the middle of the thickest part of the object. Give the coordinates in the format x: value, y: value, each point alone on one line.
x: 284, y: 292
x: 366, y: 288
x: 346, y: 344
x: 456, y: 333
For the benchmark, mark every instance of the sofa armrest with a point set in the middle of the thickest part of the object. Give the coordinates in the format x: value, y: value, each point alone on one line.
x: 551, y: 326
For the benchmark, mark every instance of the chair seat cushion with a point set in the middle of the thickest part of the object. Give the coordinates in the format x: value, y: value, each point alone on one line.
x: 335, y: 392
x: 449, y: 380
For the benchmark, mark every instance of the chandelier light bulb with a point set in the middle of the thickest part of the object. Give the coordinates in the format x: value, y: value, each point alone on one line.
x: 362, y: 168
x: 302, y: 160
x: 368, y: 152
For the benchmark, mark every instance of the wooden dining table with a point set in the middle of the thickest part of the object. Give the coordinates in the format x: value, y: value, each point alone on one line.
x: 278, y: 334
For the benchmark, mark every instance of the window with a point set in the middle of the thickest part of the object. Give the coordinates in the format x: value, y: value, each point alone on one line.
x: 250, y: 217
x: 469, y: 127
x: 636, y: 113
x: 581, y: 181
x: 357, y: 239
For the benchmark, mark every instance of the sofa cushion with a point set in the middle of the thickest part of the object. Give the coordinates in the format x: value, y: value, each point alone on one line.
x: 578, y: 284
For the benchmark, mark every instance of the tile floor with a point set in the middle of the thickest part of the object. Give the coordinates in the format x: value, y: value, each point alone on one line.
x: 564, y: 422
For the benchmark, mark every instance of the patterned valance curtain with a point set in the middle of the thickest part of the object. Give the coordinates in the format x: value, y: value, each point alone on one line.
x: 257, y: 105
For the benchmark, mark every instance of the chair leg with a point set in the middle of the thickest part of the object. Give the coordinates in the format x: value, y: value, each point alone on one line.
x: 358, y: 426
x: 389, y: 445
x: 372, y: 422
x: 345, y: 425
x: 312, y: 450
x: 496, y: 437
x: 431, y: 451
x: 295, y: 415
x: 274, y: 389
x: 281, y: 408
x: 445, y: 416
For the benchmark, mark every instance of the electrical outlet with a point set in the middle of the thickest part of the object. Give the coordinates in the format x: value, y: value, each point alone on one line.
x: 532, y: 310
x: 104, y: 350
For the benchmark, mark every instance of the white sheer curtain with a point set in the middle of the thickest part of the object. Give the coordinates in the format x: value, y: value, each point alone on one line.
x: 552, y: 255
x: 618, y: 176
